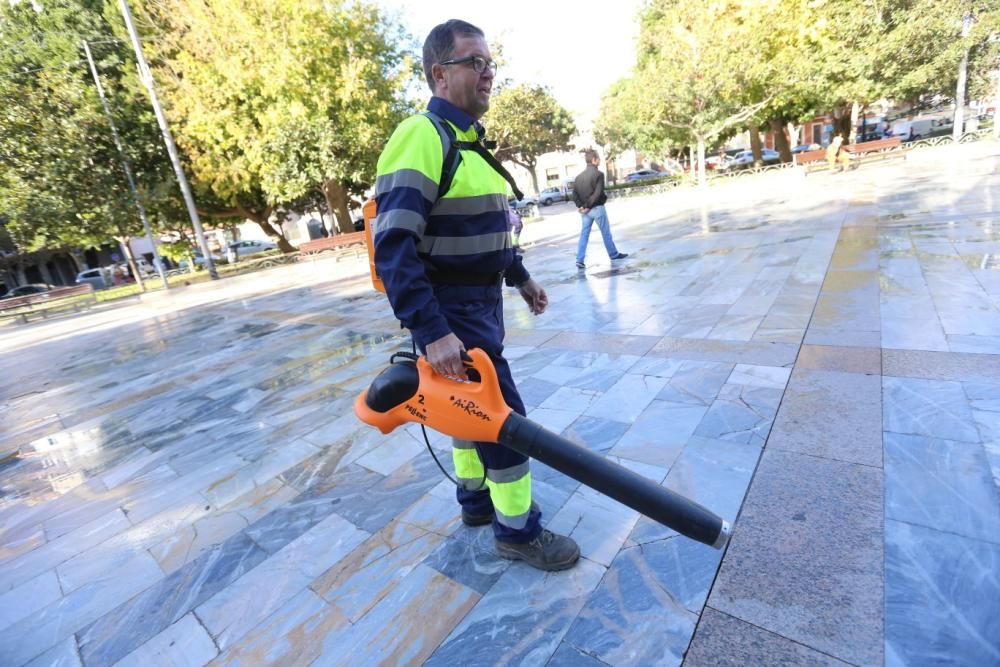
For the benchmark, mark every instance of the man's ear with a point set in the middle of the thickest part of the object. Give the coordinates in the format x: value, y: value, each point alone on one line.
x: 437, y: 74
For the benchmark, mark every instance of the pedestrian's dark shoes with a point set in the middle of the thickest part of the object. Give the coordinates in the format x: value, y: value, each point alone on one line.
x: 621, y: 255
x: 548, y: 551
x: 470, y: 519
x: 581, y: 265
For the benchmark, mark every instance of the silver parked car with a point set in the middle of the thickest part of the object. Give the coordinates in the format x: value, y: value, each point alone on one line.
x: 550, y: 196
x: 99, y: 278
x: 249, y: 247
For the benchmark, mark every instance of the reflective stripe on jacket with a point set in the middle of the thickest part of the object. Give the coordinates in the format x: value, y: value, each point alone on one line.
x: 465, y: 231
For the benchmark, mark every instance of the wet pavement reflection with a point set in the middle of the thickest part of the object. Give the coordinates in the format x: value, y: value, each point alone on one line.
x: 816, y: 359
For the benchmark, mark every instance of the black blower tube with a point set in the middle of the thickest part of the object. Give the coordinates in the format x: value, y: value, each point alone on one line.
x: 641, y: 494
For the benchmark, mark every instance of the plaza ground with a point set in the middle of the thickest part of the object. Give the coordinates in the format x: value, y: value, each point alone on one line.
x: 817, y: 359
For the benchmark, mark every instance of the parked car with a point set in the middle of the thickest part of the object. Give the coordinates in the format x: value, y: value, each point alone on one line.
x: 645, y: 174
x: 99, y: 278
x: 25, y: 290
x: 549, y: 196
x: 248, y: 247
x: 526, y: 208
x: 801, y: 148
x: 744, y: 159
x: 199, y: 259
x: 717, y: 162
x: 145, y: 268
x: 671, y: 166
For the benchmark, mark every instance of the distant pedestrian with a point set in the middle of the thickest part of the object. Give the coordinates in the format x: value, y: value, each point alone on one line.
x: 835, y: 154
x: 516, y: 225
x: 589, y: 197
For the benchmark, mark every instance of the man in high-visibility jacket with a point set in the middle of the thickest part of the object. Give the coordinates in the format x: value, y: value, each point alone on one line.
x: 442, y: 262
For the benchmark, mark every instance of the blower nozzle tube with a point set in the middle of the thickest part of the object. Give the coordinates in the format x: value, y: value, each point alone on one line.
x: 410, y: 391
x: 641, y: 494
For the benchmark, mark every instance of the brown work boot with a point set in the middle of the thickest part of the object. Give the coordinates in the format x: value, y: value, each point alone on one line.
x: 548, y: 551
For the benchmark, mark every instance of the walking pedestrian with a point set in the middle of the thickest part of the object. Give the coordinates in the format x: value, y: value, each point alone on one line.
x: 516, y: 225
x: 589, y: 197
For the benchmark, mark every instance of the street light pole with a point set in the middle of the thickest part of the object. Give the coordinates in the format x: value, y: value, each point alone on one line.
x: 168, y: 139
x: 127, y: 168
x: 963, y: 69
x: 996, y: 108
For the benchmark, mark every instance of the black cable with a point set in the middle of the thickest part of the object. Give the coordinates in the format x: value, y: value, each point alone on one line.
x: 427, y: 441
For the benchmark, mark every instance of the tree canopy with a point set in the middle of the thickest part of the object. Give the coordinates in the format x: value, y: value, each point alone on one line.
x: 706, y: 68
x: 61, y: 179
x: 526, y: 121
x: 274, y: 101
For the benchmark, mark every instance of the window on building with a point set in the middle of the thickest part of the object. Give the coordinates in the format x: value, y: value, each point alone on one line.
x: 551, y: 176
x: 817, y: 133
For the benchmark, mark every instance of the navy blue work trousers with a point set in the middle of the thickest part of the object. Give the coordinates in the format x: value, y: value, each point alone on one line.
x: 475, y: 315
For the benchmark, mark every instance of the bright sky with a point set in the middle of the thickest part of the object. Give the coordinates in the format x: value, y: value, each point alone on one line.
x: 577, y: 53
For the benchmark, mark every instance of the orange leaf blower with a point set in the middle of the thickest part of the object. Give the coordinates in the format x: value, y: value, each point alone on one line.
x: 475, y: 410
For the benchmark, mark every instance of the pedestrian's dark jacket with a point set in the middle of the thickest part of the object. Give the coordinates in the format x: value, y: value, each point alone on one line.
x: 588, y: 188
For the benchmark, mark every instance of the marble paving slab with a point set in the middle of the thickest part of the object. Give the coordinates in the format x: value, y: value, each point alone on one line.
x: 942, y: 594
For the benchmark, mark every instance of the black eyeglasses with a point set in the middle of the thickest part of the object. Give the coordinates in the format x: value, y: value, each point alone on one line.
x: 478, y: 63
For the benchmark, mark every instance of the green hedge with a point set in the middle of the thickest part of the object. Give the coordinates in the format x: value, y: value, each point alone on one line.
x: 644, y: 182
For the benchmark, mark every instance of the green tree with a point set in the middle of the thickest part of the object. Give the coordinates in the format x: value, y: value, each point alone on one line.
x: 275, y: 101
x: 696, y: 70
x: 785, y: 71
x: 61, y: 181
x: 526, y: 121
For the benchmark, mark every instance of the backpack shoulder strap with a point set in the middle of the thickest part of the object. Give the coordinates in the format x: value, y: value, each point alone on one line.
x: 450, y: 149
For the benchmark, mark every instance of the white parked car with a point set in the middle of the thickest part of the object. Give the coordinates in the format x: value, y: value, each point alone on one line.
x: 99, y: 278
x: 249, y: 247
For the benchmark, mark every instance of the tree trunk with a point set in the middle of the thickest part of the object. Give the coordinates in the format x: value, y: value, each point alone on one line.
x: 283, y: 243
x: 7, y: 278
x: 530, y: 168
x: 701, y: 162
x: 43, y: 268
x: 77, y: 256
x: 852, y: 137
x: 780, y: 140
x: 755, y: 145
x: 841, y: 123
x: 793, y: 135
x: 336, y: 201
x: 123, y: 242
x: 692, y: 151
x: 534, y: 175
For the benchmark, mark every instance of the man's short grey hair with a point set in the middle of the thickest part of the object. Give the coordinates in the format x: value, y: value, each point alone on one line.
x: 440, y: 43
x: 590, y: 156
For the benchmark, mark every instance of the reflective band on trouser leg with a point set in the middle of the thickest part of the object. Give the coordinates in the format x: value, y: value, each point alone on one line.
x: 468, y: 467
x: 510, y: 490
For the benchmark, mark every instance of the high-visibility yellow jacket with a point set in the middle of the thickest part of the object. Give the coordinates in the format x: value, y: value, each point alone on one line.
x: 466, y: 231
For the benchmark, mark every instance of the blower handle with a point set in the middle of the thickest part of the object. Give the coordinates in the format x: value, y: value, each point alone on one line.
x: 413, y: 392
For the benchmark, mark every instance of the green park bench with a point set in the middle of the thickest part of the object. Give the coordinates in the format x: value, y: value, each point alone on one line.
x: 60, y: 299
